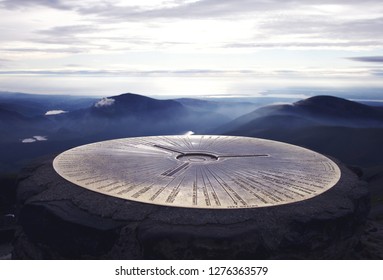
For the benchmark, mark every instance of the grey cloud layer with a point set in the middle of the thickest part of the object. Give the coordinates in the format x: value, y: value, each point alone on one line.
x: 199, y: 9
x: 157, y: 73
x: 16, y: 4
x: 373, y: 59
x: 371, y: 43
x: 71, y: 50
x: 69, y: 30
x: 321, y: 31
x: 192, y: 73
x: 356, y: 32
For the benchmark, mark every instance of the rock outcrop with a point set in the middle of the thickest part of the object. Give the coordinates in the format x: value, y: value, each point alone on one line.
x: 59, y: 220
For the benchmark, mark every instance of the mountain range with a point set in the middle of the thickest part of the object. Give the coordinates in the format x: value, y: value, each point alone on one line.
x: 34, y: 125
x: 347, y: 130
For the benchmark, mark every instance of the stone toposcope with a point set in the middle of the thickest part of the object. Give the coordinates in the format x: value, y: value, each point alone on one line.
x: 214, y: 172
x: 189, y: 197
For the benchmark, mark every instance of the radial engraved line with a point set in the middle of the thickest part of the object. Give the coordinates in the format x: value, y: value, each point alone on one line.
x: 215, y: 139
x: 213, y: 174
x: 195, y: 188
x: 289, y: 179
x: 228, y: 141
x: 233, y: 192
x: 190, y: 142
x: 173, y: 150
x: 265, y: 191
x: 147, y: 168
x: 171, y: 142
x: 206, y: 142
x: 240, y: 176
x: 214, y: 193
x: 200, y: 142
x: 153, y: 197
x: 263, y: 186
x: 205, y: 191
x: 134, y: 185
x: 174, y: 192
x: 273, y: 176
x: 185, y: 142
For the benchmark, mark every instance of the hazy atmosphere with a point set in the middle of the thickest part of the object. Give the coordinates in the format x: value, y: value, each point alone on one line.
x: 188, y: 47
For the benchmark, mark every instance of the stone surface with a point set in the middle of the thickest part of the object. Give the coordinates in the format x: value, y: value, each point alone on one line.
x: 60, y: 220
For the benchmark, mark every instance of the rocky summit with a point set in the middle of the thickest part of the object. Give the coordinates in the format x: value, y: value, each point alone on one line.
x: 59, y: 220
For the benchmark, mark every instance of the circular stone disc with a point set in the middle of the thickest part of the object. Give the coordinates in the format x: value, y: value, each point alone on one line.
x: 199, y: 171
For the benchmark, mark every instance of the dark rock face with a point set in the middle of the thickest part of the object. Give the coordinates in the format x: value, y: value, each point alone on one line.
x: 62, y: 221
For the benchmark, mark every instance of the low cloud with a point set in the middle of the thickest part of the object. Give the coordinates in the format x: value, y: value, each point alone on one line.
x: 40, y: 138
x: 28, y: 140
x: 188, y: 133
x: 55, y: 112
x: 105, y: 102
x: 34, y: 139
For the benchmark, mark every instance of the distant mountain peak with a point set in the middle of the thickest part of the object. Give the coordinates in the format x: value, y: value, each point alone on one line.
x: 318, y: 110
x: 124, y: 97
x: 135, y: 105
x: 129, y: 95
x: 327, y: 101
x: 332, y: 106
x: 320, y: 98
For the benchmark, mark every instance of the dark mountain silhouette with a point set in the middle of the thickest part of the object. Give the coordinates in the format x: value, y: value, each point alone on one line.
x: 333, y: 108
x: 334, y: 126
x: 326, y: 110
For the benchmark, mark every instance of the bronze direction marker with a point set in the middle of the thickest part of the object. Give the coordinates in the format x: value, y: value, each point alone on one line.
x: 199, y: 171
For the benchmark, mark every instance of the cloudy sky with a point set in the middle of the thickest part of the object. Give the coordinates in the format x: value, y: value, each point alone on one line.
x: 189, y: 47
